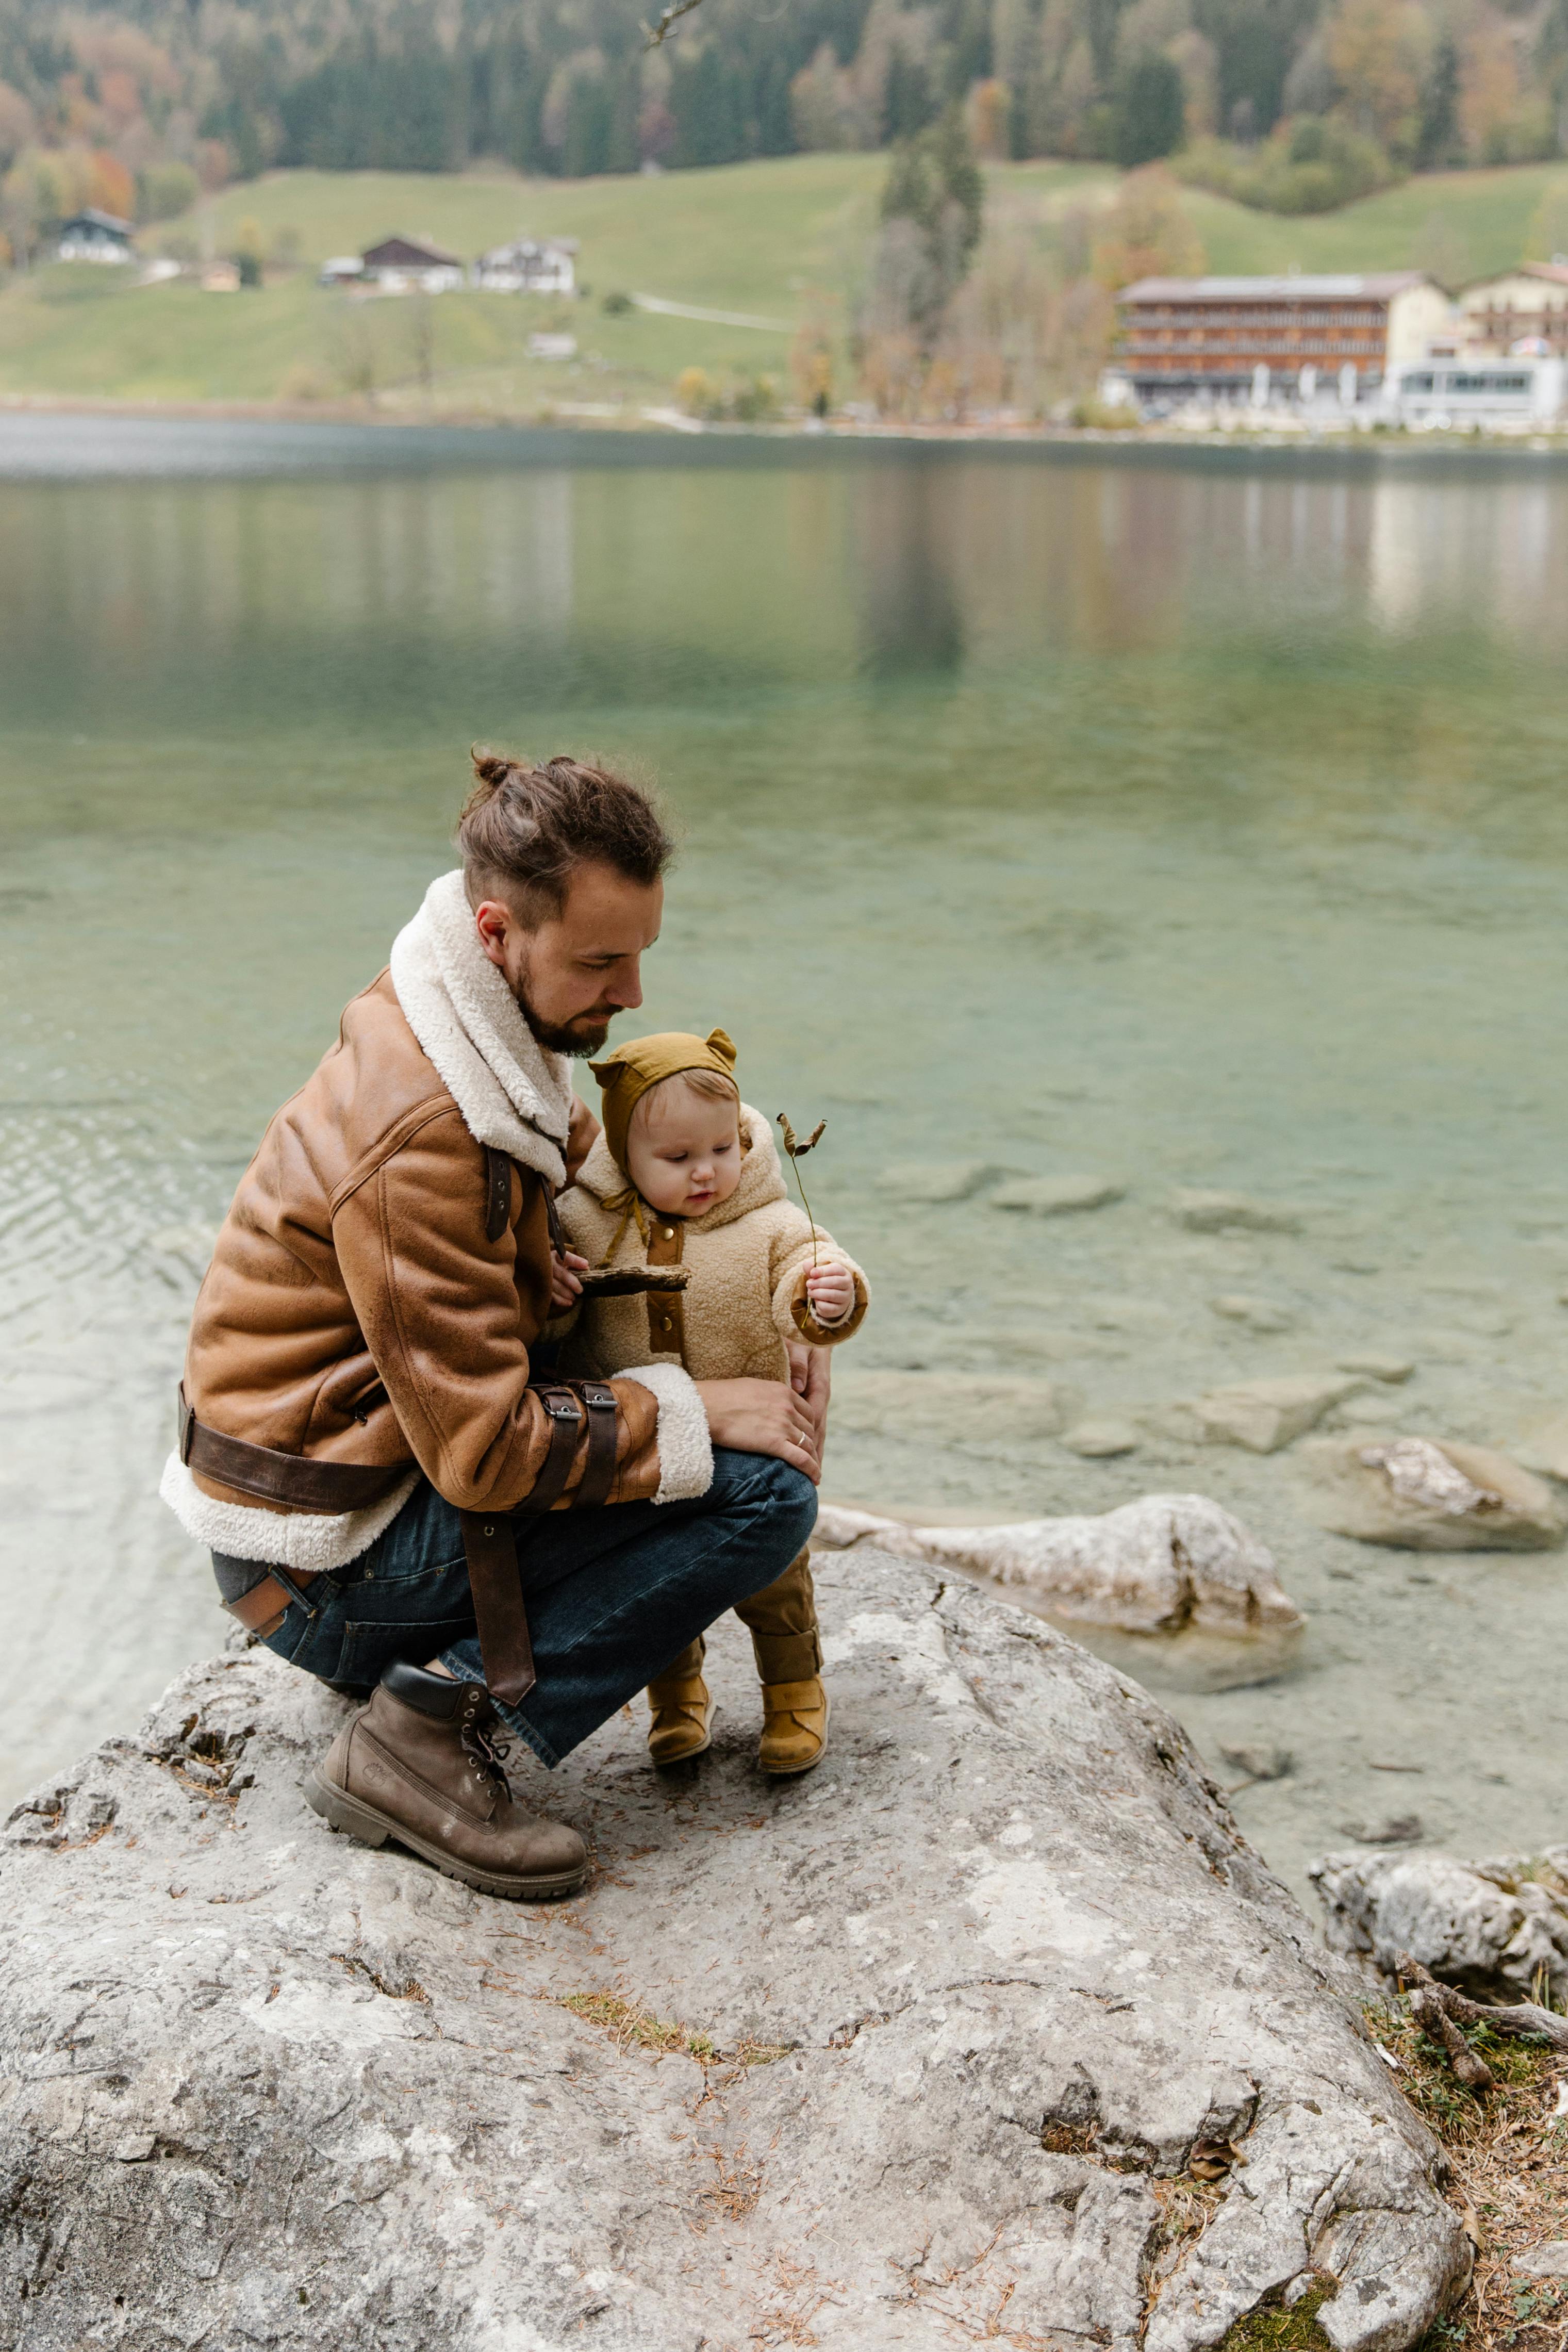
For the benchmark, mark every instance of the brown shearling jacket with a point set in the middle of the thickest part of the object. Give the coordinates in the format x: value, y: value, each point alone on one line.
x: 355, y: 1310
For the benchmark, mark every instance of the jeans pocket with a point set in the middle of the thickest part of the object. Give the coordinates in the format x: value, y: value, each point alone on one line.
x: 369, y: 1649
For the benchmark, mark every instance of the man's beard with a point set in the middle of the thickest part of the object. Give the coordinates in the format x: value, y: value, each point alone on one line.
x: 585, y: 1034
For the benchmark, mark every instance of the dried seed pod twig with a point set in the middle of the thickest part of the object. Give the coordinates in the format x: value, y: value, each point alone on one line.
x: 797, y: 1151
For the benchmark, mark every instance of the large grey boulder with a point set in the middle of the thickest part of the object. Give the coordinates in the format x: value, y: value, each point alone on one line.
x: 895, y: 2056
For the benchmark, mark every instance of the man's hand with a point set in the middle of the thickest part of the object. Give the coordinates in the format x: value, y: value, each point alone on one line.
x: 766, y: 1417
x: 565, y: 1289
x: 810, y: 1377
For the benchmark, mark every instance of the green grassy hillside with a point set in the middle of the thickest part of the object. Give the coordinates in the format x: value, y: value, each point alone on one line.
x: 771, y: 239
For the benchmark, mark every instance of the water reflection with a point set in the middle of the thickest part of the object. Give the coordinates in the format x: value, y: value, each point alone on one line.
x: 903, y: 542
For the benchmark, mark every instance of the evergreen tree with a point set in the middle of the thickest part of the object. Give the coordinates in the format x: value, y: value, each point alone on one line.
x: 908, y: 105
x: 1439, y: 144
x: 935, y: 192
x: 1150, y: 111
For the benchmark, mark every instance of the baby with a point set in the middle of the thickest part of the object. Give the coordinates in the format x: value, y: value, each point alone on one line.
x: 685, y: 1174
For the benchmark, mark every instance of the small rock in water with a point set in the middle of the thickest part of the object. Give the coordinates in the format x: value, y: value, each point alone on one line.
x: 937, y: 1180
x: 1263, y: 1416
x: 1258, y: 1314
x: 1545, y: 2262
x: 1215, y: 1213
x: 1420, y: 1495
x: 1056, y: 1196
x: 1394, y: 1369
x: 1546, y: 1447
x: 1397, y: 1829
x: 1098, y: 1440
x: 1379, y: 1409
x: 1261, y: 1763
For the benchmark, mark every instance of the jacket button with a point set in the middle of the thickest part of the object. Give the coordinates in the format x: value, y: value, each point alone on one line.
x: 669, y: 1324
x: 669, y: 1232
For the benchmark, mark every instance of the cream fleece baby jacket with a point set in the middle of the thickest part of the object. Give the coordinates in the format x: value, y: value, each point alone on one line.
x: 746, y: 1261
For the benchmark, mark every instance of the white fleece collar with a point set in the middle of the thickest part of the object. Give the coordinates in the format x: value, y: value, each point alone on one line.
x: 512, y: 1092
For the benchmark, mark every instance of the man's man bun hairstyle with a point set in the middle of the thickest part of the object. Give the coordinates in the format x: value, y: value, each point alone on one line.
x: 524, y: 829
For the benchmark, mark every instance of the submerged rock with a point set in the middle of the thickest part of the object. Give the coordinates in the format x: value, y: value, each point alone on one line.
x: 1393, y: 1370
x: 1392, y: 1828
x: 1218, y: 1212
x: 1263, y: 1416
x: 1488, y: 1926
x: 1418, y: 1494
x: 1261, y: 1763
x: 863, y: 2059
x: 937, y: 1180
x: 1157, y: 1566
x: 1261, y: 1315
x: 1546, y: 1447
x: 951, y: 1408
x: 1099, y: 1441
x: 1056, y: 1196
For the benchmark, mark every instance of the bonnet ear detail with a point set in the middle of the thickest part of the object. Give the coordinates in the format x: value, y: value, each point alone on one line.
x: 720, y: 1043
x: 605, y: 1071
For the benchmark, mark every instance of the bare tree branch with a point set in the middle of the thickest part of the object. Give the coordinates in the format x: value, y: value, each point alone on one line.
x: 659, y: 33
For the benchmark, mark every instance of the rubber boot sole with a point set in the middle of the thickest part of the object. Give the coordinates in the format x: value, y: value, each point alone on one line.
x: 793, y: 1771
x: 684, y: 1756
x: 357, y: 1819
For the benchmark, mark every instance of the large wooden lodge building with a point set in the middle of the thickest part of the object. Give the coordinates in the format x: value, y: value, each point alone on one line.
x: 1181, y: 336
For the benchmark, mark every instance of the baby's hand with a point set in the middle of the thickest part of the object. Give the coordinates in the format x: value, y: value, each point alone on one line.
x: 565, y: 1289
x: 832, y: 1291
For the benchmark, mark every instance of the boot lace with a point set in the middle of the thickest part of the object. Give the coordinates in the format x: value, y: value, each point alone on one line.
x: 488, y: 1757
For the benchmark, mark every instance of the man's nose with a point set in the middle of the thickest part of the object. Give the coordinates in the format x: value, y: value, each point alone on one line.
x: 627, y: 991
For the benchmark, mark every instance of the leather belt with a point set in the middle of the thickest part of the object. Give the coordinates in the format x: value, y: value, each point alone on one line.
x: 262, y: 1609
x: 276, y: 1477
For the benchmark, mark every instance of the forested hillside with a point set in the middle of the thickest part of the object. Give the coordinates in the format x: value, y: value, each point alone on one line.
x: 1290, y: 104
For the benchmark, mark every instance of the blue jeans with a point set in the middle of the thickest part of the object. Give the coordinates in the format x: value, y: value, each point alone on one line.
x: 612, y: 1595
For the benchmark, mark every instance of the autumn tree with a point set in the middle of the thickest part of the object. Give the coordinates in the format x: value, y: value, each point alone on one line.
x: 1146, y: 233
x: 1378, y: 51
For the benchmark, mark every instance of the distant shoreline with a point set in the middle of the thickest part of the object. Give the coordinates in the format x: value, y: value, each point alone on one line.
x: 631, y: 436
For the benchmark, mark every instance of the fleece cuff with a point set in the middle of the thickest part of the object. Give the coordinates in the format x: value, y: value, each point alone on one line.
x: 307, y: 1541
x: 685, y: 1449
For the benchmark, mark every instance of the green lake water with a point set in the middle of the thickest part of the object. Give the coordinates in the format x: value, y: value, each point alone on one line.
x: 1193, y: 823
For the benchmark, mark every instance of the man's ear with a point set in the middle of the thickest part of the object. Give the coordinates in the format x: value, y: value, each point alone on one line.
x: 493, y: 921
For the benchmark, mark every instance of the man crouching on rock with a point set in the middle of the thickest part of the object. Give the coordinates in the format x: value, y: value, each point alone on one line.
x: 393, y: 1500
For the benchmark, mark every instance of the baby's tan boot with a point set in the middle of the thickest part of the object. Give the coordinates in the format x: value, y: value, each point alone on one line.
x: 682, y: 1708
x: 795, y: 1705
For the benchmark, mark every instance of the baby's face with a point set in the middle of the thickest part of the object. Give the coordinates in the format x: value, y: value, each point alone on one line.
x: 682, y: 1151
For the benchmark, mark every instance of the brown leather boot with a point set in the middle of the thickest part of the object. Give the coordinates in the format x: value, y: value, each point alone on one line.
x: 795, y: 1705
x: 422, y: 1764
x: 682, y: 1708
